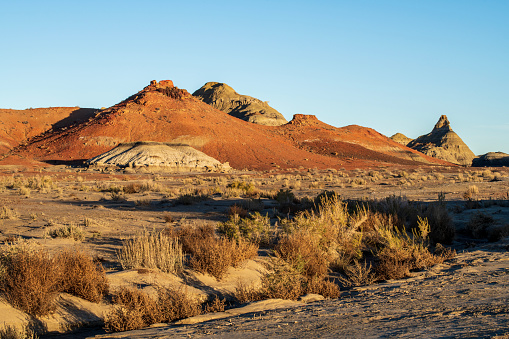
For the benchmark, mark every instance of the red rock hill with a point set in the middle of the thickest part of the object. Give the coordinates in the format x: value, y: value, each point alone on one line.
x: 164, y: 113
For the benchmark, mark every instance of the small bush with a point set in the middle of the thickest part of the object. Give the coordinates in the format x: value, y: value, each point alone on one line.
x: 28, y: 279
x: 68, y: 231
x: 216, y: 305
x: 358, y: 274
x: 191, y: 198
x: 236, y: 210
x: 478, y: 225
x: 255, y: 228
x: 82, y: 277
x: 471, y: 192
x: 174, y: 304
x: 302, y: 251
x: 151, y: 250
x: 214, y: 256
x: 322, y: 286
x: 284, y: 282
x: 7, y: 213
x: 244, y: 293
x: 442, y: 229
x: 12, y: 332
x: 136, y: 310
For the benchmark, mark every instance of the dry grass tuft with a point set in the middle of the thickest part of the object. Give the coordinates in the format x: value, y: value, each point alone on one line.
x: 151, y: 250
x: 68, y: 231
x: 12, y: 332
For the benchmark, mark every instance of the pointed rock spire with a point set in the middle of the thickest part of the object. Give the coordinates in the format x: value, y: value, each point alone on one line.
x: 443, y: 143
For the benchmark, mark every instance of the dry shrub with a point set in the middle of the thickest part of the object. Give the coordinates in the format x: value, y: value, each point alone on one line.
x: 284, y: 282
x: 216, y: 305
x: 399, y: 253
x: 244, y: 293
x: 174, y: 304
x: 168, y: 218
x: 7, y: 213
x: 322, y: 286
x: 151, y: 250
x: 71, y: 231
x: 12, y: 332
x: 82, y: 277
x: 441, y: 226
x: 236, y: 210
x: 471, y: 192
x: 358, y: 274
x: 132, y: 188
x: 255, y: 228
x: 303, y: 252
x: 214, y: 256
x: 191, y: 236
x: 191, y: 198
x: 478, y: 225
x: 136, y: 310
x: 498, y: 233
x: 28, y: 279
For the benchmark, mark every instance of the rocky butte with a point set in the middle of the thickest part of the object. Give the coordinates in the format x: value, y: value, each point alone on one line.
x: 443, y: 143
x: 224, y: 98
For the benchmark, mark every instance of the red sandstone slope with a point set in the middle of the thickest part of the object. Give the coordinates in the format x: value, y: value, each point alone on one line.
x: 163, y: 113
x: 350, y: 142
x: 17, y: 126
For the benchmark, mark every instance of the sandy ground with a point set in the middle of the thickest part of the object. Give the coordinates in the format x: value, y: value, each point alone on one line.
x: 462, y: 298
x: 466, y: 297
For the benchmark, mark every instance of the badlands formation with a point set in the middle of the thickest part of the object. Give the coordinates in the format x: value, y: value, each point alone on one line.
x: 164, y: 113
x: 224, y: 98
x: 425, y: 256
x: 441, y: 143
x: 163, y: 156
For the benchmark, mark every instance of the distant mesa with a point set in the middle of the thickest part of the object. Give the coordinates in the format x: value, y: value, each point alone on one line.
x: 401, y: 139
x: 157, y: 154
x: 304, y: 120
x: 443, y: 143
x: 492, y: 159
x: 224, y: 98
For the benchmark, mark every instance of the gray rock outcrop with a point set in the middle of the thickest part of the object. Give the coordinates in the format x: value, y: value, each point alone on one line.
x: 157, y: 154
x: 224, y: 98
x: 492, y: 159
x: 443, y: 143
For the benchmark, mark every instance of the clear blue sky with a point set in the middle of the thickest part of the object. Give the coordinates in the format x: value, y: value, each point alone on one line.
x: 395, y: 66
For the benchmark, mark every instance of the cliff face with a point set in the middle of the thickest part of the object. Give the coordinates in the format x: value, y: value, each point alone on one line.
x: 224, y: 98
x: 443, y: 143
